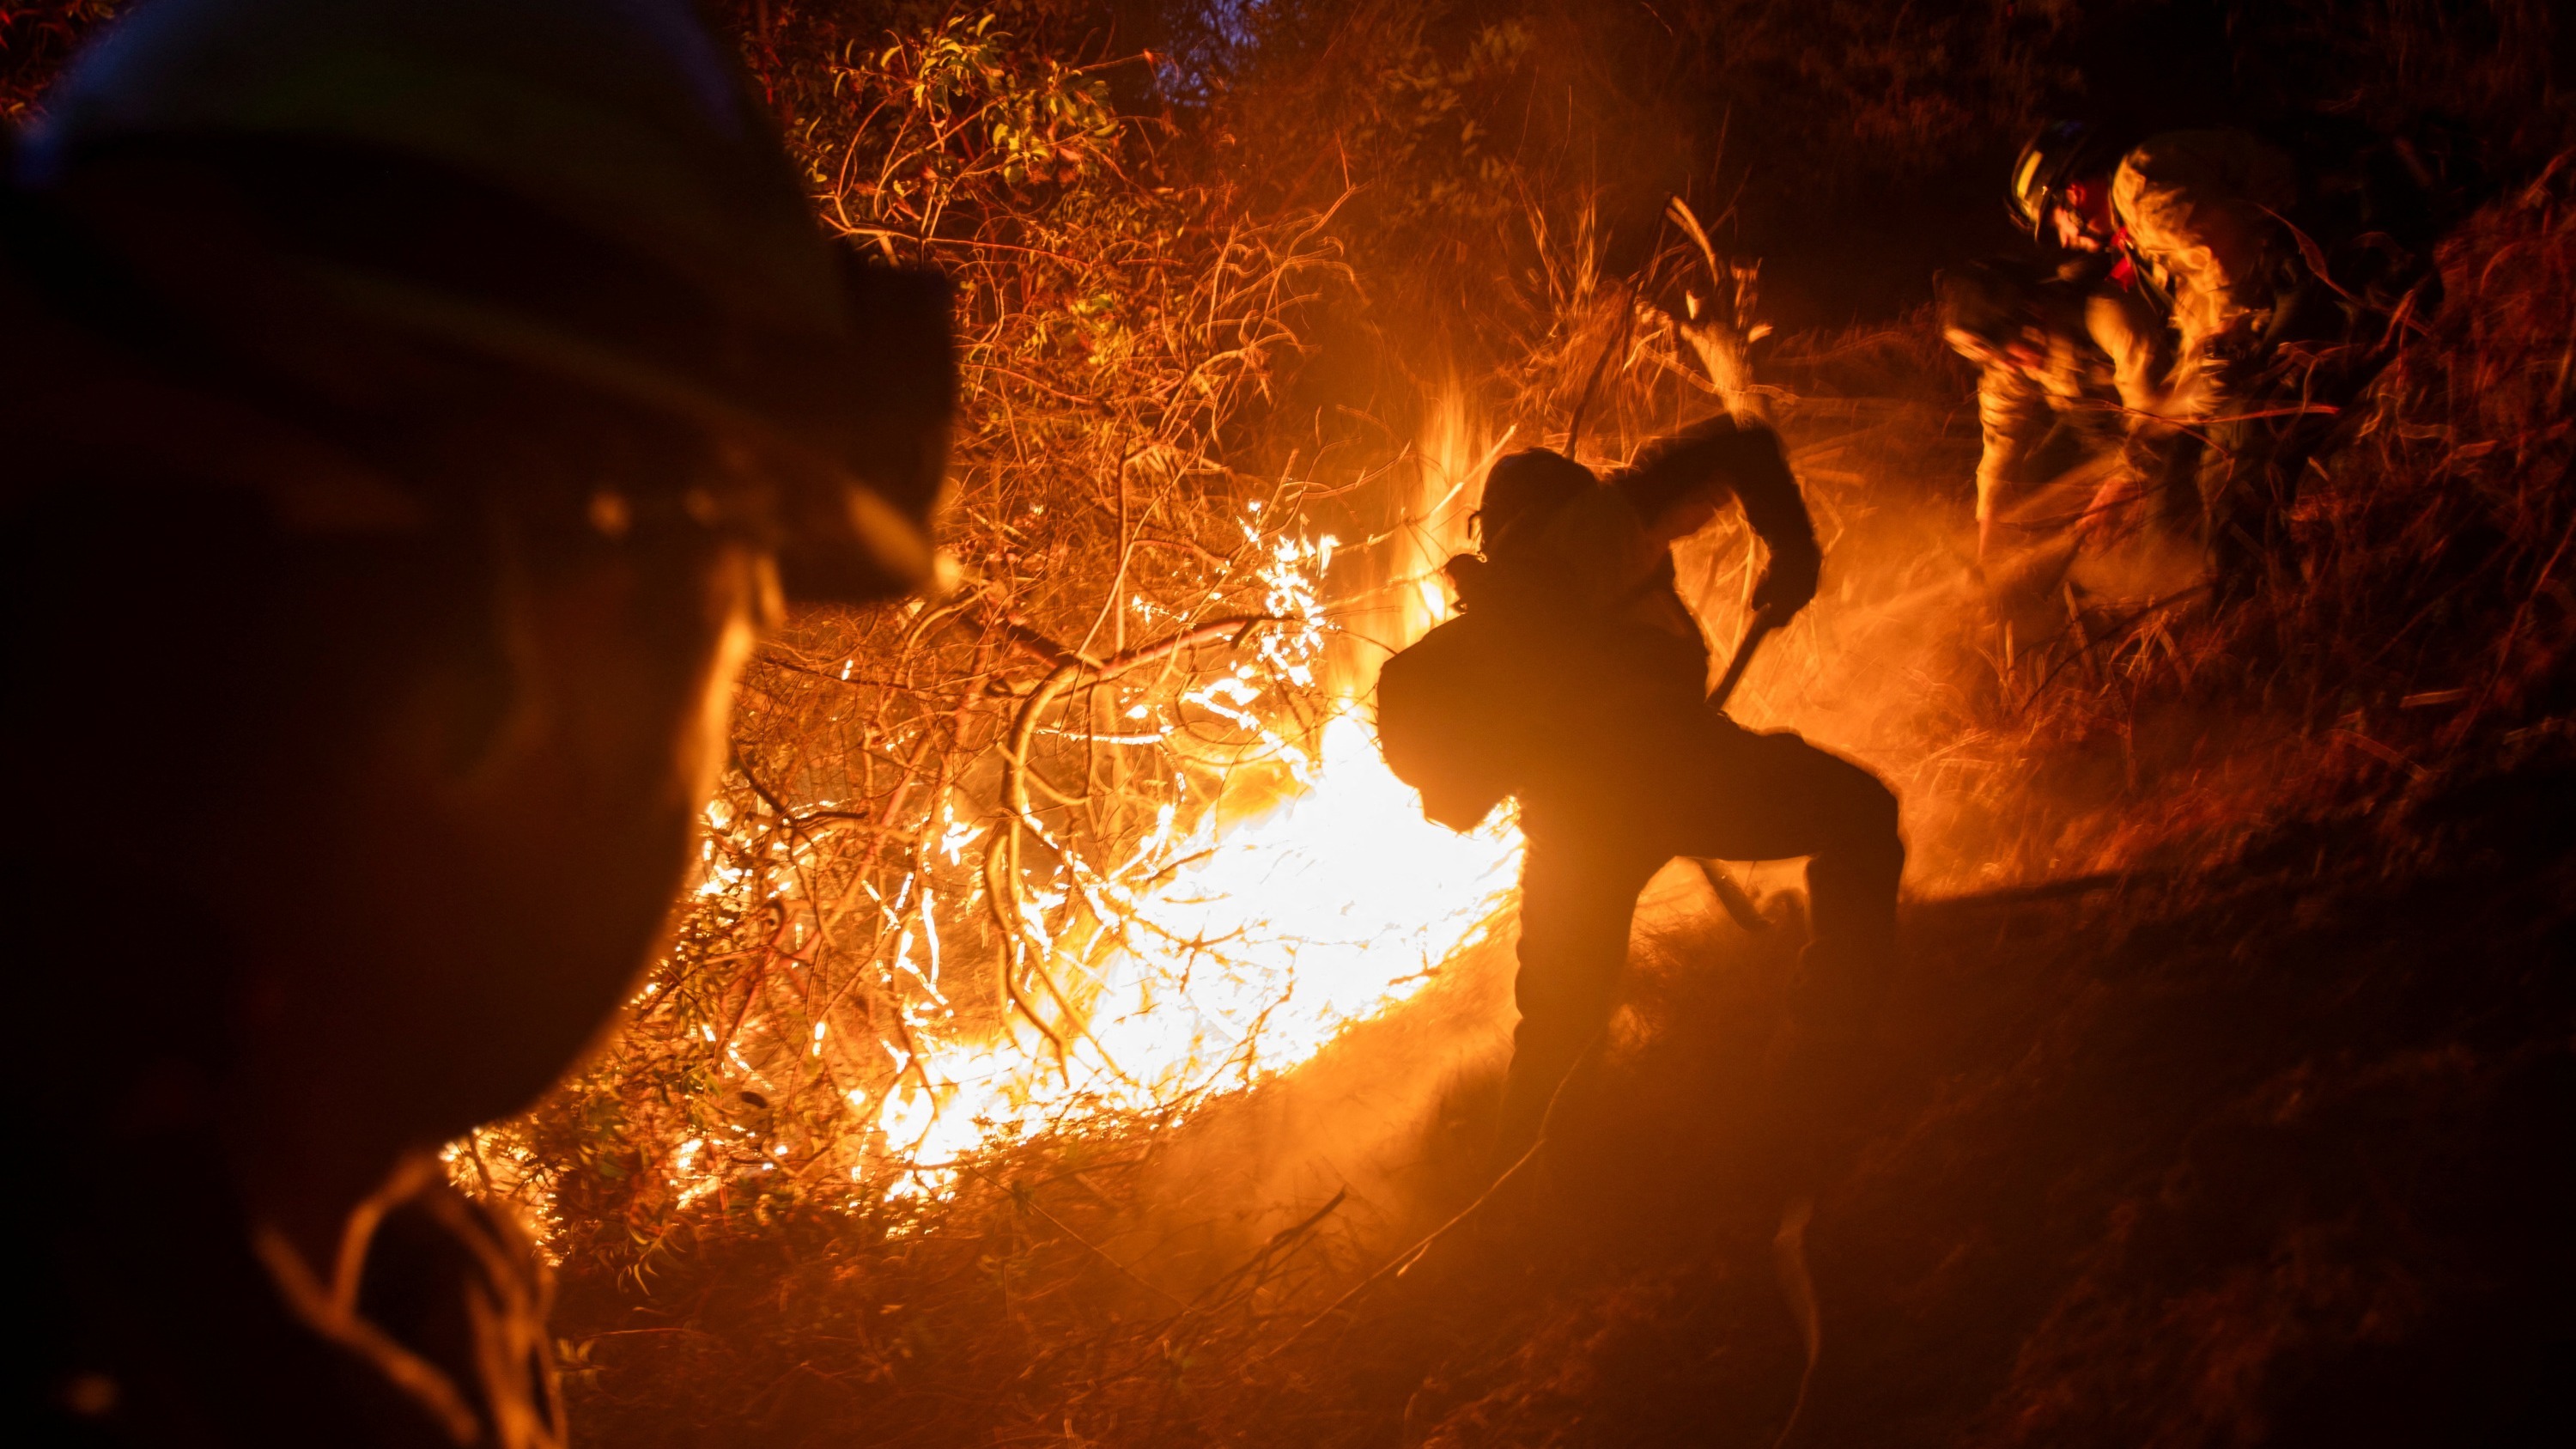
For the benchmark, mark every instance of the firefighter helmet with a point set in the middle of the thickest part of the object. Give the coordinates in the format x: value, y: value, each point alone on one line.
x: 582, y: 188
x: 2062, y: 153
x: 1527, y: 486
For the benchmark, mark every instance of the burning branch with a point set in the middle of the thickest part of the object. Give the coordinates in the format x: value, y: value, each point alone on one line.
x: 1002, y: 865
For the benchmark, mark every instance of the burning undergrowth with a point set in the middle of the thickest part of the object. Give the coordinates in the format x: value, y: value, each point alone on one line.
x: 1098, y: 834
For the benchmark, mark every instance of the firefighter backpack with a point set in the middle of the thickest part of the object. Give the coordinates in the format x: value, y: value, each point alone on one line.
x: 1446, y: 719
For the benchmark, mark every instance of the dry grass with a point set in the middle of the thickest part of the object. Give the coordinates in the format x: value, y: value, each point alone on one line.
x: 929, y: 807
x: 35, y: 38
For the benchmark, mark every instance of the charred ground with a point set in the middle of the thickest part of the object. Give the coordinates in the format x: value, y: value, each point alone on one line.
x: 2268, y: 1153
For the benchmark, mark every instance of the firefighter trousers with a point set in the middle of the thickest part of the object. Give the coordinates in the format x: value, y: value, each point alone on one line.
x: 1714, y: 790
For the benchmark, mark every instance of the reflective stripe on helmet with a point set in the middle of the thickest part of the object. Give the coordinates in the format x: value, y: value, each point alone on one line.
x: 2024, y: 191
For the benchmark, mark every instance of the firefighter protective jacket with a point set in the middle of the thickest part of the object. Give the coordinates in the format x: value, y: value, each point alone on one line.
x: 2103, y: 362
x: 2203, y: 214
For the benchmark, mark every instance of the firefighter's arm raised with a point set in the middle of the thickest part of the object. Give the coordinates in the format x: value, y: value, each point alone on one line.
x: 1678, y: 483
x: 2203, y: 209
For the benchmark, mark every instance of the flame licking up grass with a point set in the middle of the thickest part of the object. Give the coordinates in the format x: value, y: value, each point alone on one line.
x: 1264, y: 936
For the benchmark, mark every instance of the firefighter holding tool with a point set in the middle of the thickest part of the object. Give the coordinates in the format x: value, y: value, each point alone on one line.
x: 1575, y: 680
x: 2288, y: 279
x: 2064, y: 362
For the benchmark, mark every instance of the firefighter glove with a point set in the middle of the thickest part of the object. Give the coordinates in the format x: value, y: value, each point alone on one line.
x: 1788, y: 582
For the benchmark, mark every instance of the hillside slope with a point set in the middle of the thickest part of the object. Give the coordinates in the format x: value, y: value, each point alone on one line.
x: 2277, y: 1154
x: 2272, y: 1153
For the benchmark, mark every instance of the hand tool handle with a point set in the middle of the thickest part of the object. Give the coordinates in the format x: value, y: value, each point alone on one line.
x: 1754, y: 633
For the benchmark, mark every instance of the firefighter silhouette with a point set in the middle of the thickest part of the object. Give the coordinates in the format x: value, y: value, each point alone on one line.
x: 1575, y: 680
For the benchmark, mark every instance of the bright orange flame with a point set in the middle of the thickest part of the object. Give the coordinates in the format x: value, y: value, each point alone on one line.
x: 1331, y: 907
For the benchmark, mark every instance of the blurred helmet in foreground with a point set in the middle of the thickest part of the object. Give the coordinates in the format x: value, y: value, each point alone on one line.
x: 577, y: 187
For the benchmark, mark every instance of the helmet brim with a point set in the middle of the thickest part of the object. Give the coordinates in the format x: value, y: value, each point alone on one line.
x: 839, y: 536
